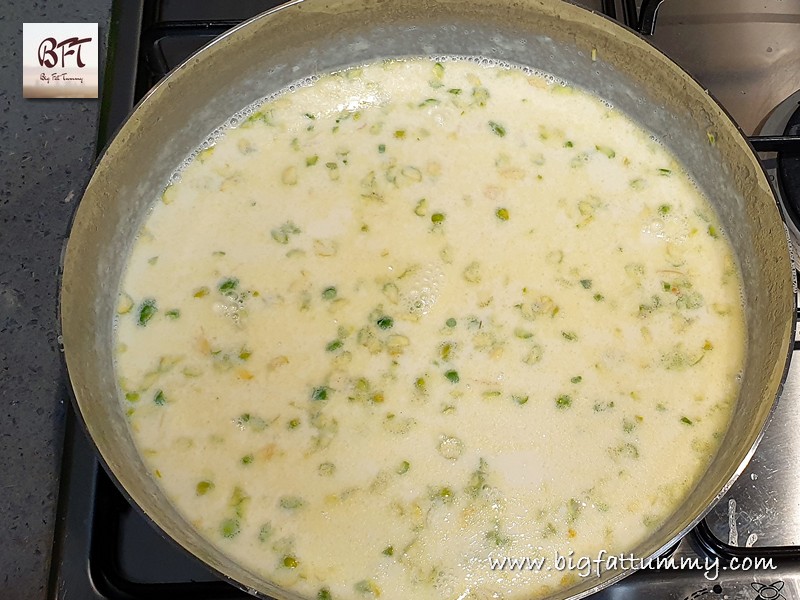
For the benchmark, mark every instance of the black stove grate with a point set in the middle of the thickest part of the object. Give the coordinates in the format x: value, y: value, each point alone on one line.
x: 104, y: 548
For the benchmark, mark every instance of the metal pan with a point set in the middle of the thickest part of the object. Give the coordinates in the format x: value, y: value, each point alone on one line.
x: 312, y: 36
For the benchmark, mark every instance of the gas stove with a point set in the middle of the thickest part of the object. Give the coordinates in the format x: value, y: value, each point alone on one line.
x: 748, y: 547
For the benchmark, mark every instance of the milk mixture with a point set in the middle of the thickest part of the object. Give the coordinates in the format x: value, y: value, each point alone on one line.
x: 417, y: 315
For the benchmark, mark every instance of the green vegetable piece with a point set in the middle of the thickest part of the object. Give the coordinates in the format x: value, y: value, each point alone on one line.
x: 289, y: 561
x: 563, y: 402
x: 420, y: 383
x: 576, y: 379
x: 324, y: 594
x: 326, y: 469
x: 690, y: 300
x: 498, y: 538
x: 281, y: 234
x: 247, y: 459
x: 147, y: 309
x: 239, y: 501
x: 388, y: 551
x: 437, y: 218
x: 329, y: 293
x: 568, y: 144
x: 319, y: 393
x: 385, y: 322
x: 637, y: 184
x: 368, y: 588
x: 173, y: 314
x: 132, y: 396
x: 586, y: 284
x: 228, y: 286
x: 502, y: 214
x: 159, y: 398
x: 203, y: 487
x: 451, y: 322
x: 438, y: 70
x: 251, y: 421
x: 230, y: 528
x: 445, y: 494
x: 333, y: 346
x: 265, y: 532
x: 454, y: 91
x: 598, y: 297
x: 312, y: 160
x: 686, y: 421
x: 293, y: 424
x: 664, y: 209
x: 403, y: 468
x: 480, y: 95
x: 712, y: 231
x: 570, y: 336
x: 291, y: 502
x: 452, y: 376
x: 381, y: 148
x: 520, y: 399
x: 477, y: 480
x: 201, y: 292
x: 244, y: 354
x: 400, y: 134
x: 497, y: 129
x: 606, y: 150
x: 664, y: 172
x: 627, y: 450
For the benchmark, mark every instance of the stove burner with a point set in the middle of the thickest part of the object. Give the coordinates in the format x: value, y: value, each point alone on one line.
x: 770, y: 591
x: 789, y: 171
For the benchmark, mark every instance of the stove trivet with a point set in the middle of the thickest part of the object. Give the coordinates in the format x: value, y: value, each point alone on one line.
x: 789, y: 168
x: 783, y: 168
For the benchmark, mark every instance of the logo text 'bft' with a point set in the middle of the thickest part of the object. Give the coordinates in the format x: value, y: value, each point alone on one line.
x: 48, y: 57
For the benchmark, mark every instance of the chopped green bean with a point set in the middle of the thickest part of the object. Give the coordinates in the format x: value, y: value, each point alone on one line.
x: 319, y: 393
x: 497, y: 129
x: 564, y: 401
x: 230, y: 528
x: 203, y: 487
x: 147, y: 309
x: 385, y: 322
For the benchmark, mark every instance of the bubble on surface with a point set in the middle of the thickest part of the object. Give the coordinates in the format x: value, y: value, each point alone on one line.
x: 419, y: 292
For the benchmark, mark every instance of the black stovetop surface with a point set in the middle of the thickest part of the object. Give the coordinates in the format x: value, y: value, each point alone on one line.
x: 105, y: 548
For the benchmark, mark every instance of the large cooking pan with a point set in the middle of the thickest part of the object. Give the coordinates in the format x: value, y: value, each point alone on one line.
x: 311, y: 36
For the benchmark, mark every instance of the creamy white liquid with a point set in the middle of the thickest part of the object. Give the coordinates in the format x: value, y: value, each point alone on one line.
x: 421, y: 314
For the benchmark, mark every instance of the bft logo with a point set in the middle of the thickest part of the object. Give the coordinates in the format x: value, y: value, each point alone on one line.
x: 49, y: 58
x: 59, y: 60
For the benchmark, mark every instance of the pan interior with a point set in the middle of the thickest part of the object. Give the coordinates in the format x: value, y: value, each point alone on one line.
x: 310, y: 37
